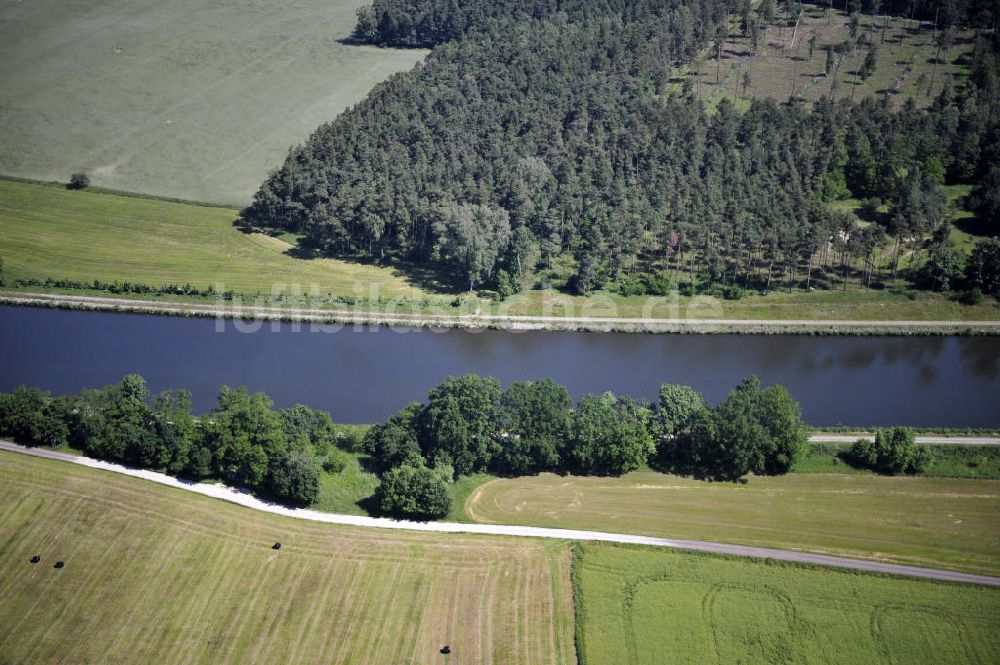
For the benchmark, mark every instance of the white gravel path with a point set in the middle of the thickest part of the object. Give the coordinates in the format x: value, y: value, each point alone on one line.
x: 243, y: 498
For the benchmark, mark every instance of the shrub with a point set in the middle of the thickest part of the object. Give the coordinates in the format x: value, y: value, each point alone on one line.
x: 892, y: 451
x: 971, y: 297
x: 78, y: 181
x: 632, y: 286
x: 733, y: 292
x: 413, y: 492
x: 294, y: 477
x: 659, y: 284
x: 941, y: 271
x: 334, y: 462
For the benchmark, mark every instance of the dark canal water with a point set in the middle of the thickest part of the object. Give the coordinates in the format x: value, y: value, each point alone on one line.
x: 365, y: 375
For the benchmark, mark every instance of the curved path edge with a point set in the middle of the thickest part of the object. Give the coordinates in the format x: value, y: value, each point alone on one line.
x: 244, y: 498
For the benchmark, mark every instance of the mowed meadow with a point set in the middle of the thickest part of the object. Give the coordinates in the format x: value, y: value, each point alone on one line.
x: 48, y: 231
x: 176, y: 98
x: 640, y: 605
x: 934, y: 522
x: 158, y: 575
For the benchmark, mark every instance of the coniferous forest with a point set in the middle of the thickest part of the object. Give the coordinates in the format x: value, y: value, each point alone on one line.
x: 543, y: 133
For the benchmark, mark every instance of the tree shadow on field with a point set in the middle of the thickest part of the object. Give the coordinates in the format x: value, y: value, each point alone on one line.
x: 437, y: 279
x: 370, y: 506
x: 973, y: 226
x: 354, y: 39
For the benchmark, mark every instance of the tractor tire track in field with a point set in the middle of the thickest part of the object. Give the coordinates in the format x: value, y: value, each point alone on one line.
x: 245, y: 499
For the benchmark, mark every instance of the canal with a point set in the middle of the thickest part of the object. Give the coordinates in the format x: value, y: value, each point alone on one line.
x: 365, y: 374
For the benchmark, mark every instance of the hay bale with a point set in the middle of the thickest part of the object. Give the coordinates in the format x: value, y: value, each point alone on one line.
x: 59, y: 564
x: 276, y: 546
x: 36, y: 559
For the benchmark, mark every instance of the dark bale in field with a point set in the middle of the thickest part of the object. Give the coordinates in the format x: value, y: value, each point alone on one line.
x: 276, y: 546
x: 36, y: 559
x: 78, y: 181
x: 446, y: 649
x: 59, y: 564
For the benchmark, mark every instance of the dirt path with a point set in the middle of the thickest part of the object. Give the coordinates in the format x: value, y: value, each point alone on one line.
x: 505, y: 322
x: 219, y: 491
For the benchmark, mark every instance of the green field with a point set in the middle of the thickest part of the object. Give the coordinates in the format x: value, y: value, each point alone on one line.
x: 158, y: 575
x: 935, y: 522
x: 48, y: 231
x: 176, y: 97
x: 639, y: 605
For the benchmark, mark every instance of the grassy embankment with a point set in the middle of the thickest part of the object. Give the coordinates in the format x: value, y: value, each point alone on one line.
x: 350, y: 490
x: 196, y: 101
x: 158, y: 575
x: 48, y: 232
x: 935, y: 522
x: 949, y: 461
x: 946, y: 517
x: 640, y: 605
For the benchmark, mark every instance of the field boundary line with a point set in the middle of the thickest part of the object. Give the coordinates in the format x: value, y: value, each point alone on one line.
x: 244, y: 498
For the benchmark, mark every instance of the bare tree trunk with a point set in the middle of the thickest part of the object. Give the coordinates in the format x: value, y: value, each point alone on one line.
x: 937, y: 54
x: 750, y: 269
x: 895, y: 259
x: 795, y: 70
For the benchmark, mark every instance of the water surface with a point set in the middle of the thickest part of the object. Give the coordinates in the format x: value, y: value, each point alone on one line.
x: 365, y: 374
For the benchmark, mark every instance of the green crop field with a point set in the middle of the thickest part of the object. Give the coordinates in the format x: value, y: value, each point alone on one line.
x: 158, y: 575
x: 639, y: 605
x: 48, y: 231
x: 936, y: 522
x: 176, y: 97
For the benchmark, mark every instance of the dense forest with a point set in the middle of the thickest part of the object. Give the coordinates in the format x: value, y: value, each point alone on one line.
x: 430, y: 22
x: 544, y: 132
